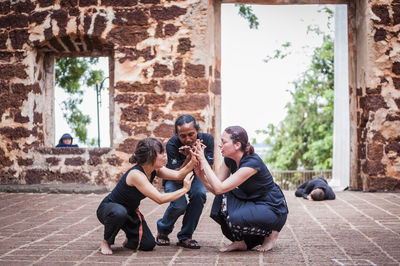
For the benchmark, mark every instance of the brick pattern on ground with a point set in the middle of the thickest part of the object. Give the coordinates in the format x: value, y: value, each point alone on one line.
x: 62, y: 229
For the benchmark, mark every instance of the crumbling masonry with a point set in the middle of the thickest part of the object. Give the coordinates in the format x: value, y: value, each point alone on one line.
x: 164, y: 61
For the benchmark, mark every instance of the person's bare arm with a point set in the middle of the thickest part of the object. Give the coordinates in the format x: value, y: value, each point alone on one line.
x: 223, y: 183
x: 223, y: 172
x: 200, y: 174
x: 140, y: 181
x: 230, y: 182
x: 177, y: 174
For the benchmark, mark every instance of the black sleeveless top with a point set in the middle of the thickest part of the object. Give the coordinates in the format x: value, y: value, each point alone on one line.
x: 128, y: 196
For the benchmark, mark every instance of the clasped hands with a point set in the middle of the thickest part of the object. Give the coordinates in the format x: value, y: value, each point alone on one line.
x: 196, y: 152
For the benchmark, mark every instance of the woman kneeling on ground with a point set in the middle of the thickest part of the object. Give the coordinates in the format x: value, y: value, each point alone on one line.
x: 120, y: 208
x: 252, y: 208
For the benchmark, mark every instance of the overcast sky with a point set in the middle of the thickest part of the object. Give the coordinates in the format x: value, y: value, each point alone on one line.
x: 254, y: 93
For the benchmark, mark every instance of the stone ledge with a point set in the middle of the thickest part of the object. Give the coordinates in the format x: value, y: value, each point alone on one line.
x: 61, y: 188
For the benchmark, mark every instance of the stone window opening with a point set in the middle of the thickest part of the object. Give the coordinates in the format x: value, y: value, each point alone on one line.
x: 49, y: 53
x: 95, y: 105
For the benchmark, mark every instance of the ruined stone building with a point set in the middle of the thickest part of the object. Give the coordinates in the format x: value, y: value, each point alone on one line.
x: 164, y: 61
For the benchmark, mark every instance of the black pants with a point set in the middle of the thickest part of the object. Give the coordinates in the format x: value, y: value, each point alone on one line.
x: 246, y: 214
x: 115, y: 217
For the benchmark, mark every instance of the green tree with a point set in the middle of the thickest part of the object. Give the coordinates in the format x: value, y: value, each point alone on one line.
x: 304, y: 138
x: 246, y: 12
x: 71, y: 75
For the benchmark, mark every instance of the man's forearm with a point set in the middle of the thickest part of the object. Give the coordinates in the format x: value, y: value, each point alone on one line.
x: 187, y: 160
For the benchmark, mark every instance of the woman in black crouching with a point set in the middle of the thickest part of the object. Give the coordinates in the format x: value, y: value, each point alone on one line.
x: 120, y: 208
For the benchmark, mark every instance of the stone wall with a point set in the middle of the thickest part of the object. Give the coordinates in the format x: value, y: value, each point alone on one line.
x: 161, y: 66
x: 165, y: 61
x: 378, y: 96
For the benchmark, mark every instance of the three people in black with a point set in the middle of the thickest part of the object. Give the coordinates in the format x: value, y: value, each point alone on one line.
x: 249, y: 206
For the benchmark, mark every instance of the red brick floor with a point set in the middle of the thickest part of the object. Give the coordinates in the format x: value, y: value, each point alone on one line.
x: 62, y: 229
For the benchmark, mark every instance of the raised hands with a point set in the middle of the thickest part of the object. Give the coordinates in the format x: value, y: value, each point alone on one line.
x: 187, y: 182
x: 198, y: 151
x: 193, y: 158
x: 185, y: 150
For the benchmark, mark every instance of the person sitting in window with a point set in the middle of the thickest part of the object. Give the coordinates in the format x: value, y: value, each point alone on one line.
x: 66, y: 141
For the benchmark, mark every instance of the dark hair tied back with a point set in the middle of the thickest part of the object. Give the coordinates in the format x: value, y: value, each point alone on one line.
x: 249, y: 148
x: 239, y: 134
x: 146, y: 151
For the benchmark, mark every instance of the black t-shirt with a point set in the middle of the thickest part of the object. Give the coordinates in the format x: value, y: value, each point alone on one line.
x: 128, y: 196
x: 176, y: 159
x: 260, y: 187
x: 258, y: 184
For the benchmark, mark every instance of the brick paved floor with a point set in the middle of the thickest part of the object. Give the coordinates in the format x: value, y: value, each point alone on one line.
x: 62, y: 229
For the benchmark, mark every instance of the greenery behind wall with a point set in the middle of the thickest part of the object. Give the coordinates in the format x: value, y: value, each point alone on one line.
x: 304, y: 139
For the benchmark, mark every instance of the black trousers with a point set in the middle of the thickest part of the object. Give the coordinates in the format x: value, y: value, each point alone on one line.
x: 246, y: 214
x: 116, y: 217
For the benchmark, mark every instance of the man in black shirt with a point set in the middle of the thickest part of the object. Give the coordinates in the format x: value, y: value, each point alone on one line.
x: 315, y: 189
x: 186, y: 130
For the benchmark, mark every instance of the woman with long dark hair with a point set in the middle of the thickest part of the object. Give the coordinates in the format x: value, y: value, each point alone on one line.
x: 249, y: 206
x: 119, y: 210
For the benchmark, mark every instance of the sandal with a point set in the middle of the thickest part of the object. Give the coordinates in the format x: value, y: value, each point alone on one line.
x: 188, y: 243
x: 164, y: 238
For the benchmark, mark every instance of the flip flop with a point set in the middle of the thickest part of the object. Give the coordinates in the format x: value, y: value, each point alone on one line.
x: 191, y: 243
x: 164, y: 238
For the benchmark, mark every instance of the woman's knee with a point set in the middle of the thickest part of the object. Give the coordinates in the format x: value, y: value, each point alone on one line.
x: 235, y: 220
x: 118, y: 213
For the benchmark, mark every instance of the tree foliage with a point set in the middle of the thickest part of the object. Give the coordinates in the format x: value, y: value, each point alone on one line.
x: 71, y: 75
x: 304, y: 139
x: 246, y: 12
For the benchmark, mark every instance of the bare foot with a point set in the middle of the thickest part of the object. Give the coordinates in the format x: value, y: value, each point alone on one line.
x: 105, y: 248
x: 236, y: 245
x: 125, y: 241
x: 269, y: 242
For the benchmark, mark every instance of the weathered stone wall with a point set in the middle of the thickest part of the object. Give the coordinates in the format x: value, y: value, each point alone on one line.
x: 161, y: 67
x: 165, y: 61
x: 378, y: 96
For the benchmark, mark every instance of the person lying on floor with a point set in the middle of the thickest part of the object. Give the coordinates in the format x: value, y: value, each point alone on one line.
x: 315, y: 189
